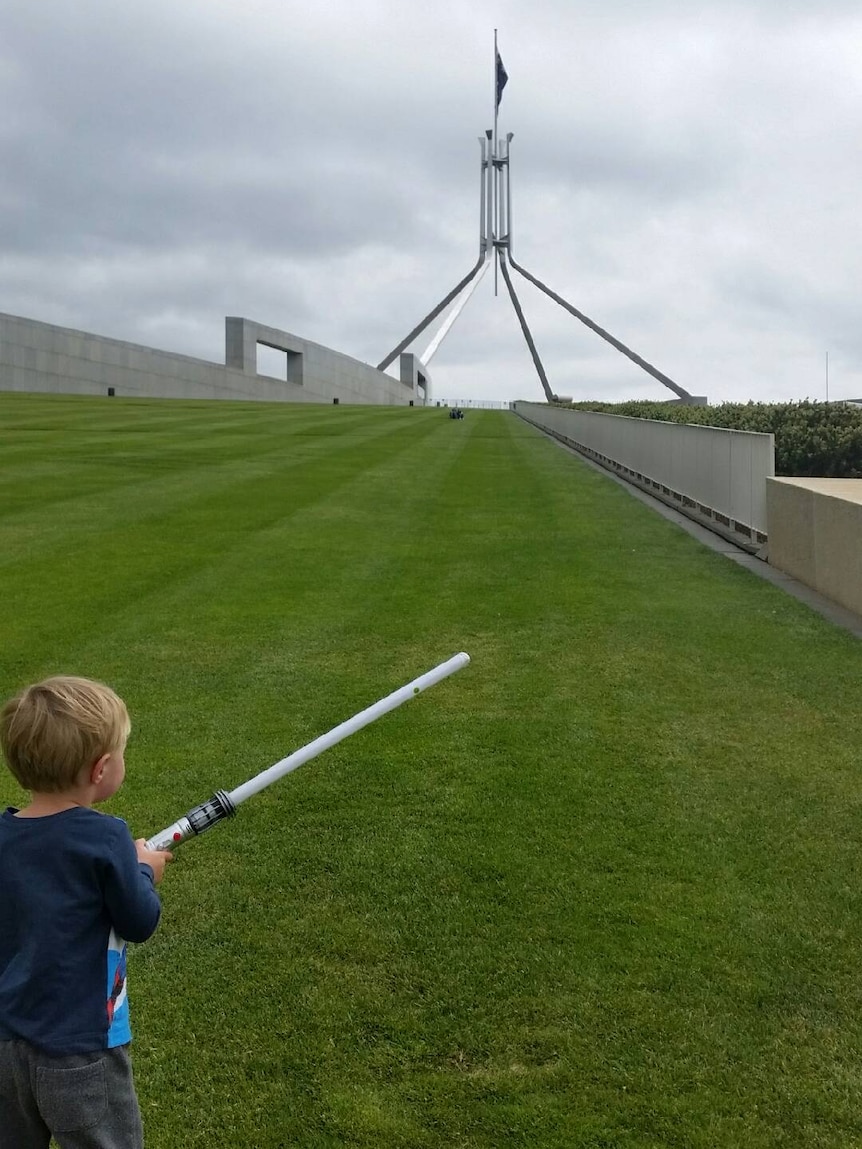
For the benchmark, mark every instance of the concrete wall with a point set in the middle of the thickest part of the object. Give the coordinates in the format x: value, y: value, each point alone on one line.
x: 711, y: 474
x: 38, y: 356
x: 414, y: 374
x: 815, y: 535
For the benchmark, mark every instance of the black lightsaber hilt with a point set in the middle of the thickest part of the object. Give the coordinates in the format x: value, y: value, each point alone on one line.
x: 195, y: 822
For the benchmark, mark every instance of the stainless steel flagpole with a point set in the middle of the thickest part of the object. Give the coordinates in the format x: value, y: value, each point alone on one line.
x: 494, y: 161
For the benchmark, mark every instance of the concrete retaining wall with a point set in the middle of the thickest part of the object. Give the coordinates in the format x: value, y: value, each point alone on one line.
x: 815, y: 535
x: 38, y: 356
x: 713, y: 475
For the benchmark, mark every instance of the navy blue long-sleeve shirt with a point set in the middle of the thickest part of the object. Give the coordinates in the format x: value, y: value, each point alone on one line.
x: 72, y: 892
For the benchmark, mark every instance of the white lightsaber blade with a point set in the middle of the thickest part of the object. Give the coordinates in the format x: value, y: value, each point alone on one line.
x: 224, y: 804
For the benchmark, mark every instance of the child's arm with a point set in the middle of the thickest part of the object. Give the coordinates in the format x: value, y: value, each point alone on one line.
x: 130, y: 896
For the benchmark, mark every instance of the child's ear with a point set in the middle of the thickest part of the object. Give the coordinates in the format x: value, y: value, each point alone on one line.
x: 97, y: 770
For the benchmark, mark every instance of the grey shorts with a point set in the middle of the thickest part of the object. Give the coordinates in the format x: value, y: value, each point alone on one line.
x: 85, y: 1100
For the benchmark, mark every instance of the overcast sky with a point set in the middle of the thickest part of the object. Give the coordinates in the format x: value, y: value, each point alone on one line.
x: 688, y: 173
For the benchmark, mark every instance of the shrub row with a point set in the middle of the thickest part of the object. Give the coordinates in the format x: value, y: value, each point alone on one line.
x: 811, y: 438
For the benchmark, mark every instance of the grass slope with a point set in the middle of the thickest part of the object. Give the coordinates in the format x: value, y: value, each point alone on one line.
x: 598, y: 889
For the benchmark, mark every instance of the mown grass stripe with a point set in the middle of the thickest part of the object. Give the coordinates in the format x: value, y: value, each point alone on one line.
x: 597, y: 889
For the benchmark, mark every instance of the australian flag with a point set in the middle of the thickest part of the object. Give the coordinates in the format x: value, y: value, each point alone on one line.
x: 502, y: 77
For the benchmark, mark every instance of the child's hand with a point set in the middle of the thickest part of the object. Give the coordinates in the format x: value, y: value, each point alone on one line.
x: 157, y: 859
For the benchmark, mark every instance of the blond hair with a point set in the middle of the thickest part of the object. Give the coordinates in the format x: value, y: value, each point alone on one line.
x: 53, y: 730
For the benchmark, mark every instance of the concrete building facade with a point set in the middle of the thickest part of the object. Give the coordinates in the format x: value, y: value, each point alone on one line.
x: 37, y: 356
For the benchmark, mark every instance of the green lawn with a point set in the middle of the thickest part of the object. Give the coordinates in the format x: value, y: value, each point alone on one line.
x: 600, y: 888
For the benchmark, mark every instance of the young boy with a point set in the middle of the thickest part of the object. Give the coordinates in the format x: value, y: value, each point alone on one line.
x: 73, y: 886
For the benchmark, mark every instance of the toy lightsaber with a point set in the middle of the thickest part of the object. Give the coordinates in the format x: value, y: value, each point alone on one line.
x: 223, y: 804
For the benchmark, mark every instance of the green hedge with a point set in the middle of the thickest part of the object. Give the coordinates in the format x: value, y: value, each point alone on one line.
x: 811, y: 438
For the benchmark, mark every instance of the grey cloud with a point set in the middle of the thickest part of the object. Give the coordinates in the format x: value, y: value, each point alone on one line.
x: 683, y: 173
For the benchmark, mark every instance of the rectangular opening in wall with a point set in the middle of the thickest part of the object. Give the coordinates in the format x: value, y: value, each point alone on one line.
x: 271, y: 361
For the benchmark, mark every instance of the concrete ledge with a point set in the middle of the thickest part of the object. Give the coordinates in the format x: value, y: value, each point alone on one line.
x: 713, y: 472
x: 730, y: 549
x: 740, y: 534
x: 815, y: 535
